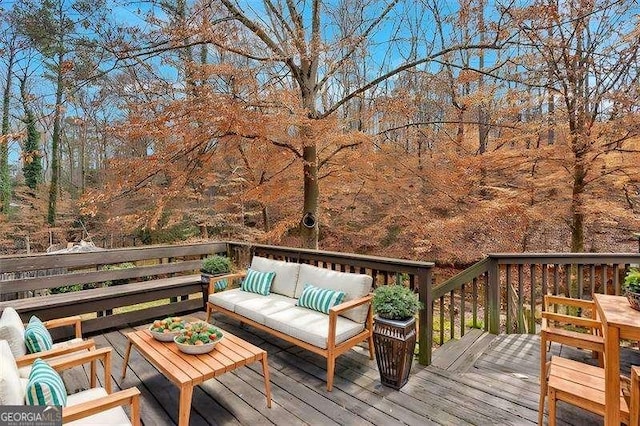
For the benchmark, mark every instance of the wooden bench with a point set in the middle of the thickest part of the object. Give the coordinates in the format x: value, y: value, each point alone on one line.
x: 582, y: 385
x: 161, y: 272
x: 105, y: 299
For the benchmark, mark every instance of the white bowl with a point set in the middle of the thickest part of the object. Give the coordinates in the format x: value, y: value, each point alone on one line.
x: 197, y: 350
x: 164, y: 337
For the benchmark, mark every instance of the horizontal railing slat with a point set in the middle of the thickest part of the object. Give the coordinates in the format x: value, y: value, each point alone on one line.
x: 44, y: 261
x: 564, y: 258
x: 352, y: 259
x: 52, y: 281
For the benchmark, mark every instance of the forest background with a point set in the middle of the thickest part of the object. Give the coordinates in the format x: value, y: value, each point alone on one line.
x: 420, y: 129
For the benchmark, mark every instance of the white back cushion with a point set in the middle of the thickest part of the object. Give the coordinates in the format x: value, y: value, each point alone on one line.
x: 12, y: 330
x: 354, y: 286
x: 286, y: 277
x: 11, y: 388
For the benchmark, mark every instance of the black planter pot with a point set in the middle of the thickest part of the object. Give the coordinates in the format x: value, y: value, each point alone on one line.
x: 394, y: 342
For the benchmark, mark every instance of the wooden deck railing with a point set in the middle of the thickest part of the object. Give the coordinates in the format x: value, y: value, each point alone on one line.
x: 23, y: 277
x: 503, y: 292
x: 158, y: 272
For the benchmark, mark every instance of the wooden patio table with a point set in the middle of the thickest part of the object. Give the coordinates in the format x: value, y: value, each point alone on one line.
x: 619, y: 321
x: 187, y: 371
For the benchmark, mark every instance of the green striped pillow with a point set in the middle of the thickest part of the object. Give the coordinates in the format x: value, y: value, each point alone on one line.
x: 319, y: 299
x: 45, y: 386
x: 36, y: 336
x: 258, y: 282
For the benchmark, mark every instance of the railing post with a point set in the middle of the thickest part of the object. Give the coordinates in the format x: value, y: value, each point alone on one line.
x: 494, y: 296
x: 425, y: 316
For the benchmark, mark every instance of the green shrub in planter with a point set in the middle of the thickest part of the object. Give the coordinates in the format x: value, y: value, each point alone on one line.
x: 632, y: 281
x: 395, y: 302
x: 216, y: 265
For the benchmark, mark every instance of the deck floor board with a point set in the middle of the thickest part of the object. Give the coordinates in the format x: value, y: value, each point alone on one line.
x: 498, y: 386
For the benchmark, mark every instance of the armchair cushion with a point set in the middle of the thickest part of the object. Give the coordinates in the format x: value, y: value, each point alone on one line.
x: 25, y: 371
x: 284, y: 282
x: 319, y: 299
x: 11, y: 388
x: 12, y: 330
x: 45, y: 386
x: 113, y: 416
x: 258, y: 282
x: 36, y: 336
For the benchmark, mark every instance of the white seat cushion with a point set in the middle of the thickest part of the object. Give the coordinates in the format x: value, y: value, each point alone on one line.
x: 229, y: 299
x: 284, y: 282
x: 26, y: 370
x: 66, y: 343
x: 113, y: 416
x: 12, y: 330
x: 258, y: 308
x: 311, y: 326
x: 11, y: 387
x: 354, y: 286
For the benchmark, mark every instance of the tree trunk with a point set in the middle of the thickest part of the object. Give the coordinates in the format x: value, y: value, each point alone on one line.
x: 32, y: 170
x: 309, y: 224
x: 460, y: 132
x: 5, y: 179
x: 483, y: 119
x: 266, y: 222
x: 577, y: 201
x: 55, y: 146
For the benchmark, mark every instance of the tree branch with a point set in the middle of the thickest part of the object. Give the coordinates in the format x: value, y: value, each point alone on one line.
x: 337, y: 150
x: 361, y: 38
x: 404, y: 67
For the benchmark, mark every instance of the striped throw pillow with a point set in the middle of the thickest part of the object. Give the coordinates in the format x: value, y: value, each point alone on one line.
x: 37, y: 337
x: 45, y: 386
x: 220, y: 285
x: 319, y: 299
x: 258, y: 282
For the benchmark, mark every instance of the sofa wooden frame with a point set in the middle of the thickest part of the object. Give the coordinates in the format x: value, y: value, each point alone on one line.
x: 333, y: 350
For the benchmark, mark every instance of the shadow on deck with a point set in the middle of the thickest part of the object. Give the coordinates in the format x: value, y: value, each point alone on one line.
x: 496, y: 382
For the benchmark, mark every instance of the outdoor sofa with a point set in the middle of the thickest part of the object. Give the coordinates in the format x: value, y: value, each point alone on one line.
x: 279, y: 313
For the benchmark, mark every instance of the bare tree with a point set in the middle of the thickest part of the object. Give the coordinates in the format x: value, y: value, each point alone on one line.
x: 294, y: 35
x: 586, y: 52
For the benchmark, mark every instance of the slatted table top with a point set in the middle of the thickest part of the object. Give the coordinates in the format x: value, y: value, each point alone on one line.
x: 616, y: 311
x: 228, y: 354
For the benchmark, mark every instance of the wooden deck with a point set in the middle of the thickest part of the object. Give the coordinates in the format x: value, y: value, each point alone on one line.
x: 488, y: 380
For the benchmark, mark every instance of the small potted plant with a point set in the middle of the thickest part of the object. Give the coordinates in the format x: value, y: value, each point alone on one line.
x: 214, y: 266
x: 631, y: 287
x: 394, y: 332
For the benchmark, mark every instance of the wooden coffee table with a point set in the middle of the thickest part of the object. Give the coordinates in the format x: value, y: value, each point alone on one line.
x: 187, y: 371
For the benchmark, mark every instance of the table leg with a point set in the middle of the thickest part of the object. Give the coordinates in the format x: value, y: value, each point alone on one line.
x: 186, y: 394
x: 612, y: 376
x: 93, y: 382
x: 125, y: 362
x: 267, y: 381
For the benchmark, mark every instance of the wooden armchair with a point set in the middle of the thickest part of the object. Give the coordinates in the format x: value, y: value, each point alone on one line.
x: 583, y: 385
x: 12, y: 330
x: 95, y: 406
x: 553, y: 331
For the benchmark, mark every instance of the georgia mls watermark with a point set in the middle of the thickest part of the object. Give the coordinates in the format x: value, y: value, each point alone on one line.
x: 30, y: 415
